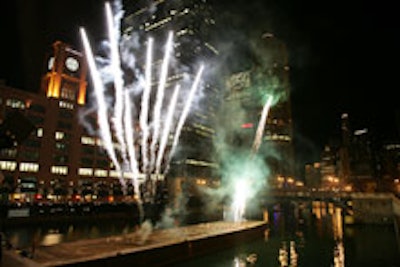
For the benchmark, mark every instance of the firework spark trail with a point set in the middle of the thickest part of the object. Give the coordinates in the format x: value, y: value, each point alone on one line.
x: 118, y: 81
x: 261, y: 126
x: 145, y: 105
x: 129, y: 135
x: 167, y: 127
x: 101, y: 104
x: 239, y: 202
x: 159, y: 100
x: 184, y: 114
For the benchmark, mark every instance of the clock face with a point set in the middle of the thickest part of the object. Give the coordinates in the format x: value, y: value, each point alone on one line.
x: 72, y: 64
x: 50, y: 63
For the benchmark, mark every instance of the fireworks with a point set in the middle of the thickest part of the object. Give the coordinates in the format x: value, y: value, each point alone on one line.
x: 117, y: 121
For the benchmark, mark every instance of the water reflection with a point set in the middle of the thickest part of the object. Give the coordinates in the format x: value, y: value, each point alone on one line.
x: 51, y: 239
x: 311, y: 234
x: 51, y: 234
x: 338, y: 250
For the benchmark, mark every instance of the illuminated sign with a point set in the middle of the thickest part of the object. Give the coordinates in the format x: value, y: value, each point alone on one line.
x: 247, y: 125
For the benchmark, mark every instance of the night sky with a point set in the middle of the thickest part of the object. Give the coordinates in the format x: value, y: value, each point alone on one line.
x: 344, y: 55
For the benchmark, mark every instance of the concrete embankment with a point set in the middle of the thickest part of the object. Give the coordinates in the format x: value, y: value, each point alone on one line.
x: 379, y: 208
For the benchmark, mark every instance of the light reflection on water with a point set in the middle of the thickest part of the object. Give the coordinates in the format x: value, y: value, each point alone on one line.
x: 299, y: 234
x: 310, y: 235
x: 55, y: 233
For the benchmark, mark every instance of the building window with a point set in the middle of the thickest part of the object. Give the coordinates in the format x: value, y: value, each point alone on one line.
x: 8, y: 165
x: 62, y: 170
x: 59, y: 135
x: 39, y: 132
x: 61, y: 146
x: 86, y: 140
x: 28, y: 167
x: 85, y: 171
x: 68, y: 93
x: 8, y: 152
x: 15, y: 103
x: 115, y: 174
x: 100, y: 173
x: 28, y: 184
x: 64, y: 104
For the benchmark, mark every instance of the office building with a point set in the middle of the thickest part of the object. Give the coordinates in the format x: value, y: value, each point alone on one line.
x: 192, y: 24
x: 60, y: 159
x: 247, y: 91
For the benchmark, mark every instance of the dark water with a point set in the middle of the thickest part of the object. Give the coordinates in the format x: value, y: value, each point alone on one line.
x: 299, y: 234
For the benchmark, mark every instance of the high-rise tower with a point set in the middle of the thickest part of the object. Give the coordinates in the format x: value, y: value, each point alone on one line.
x: 192, y: 23
x: 269, y: 75
x: 66, y: 74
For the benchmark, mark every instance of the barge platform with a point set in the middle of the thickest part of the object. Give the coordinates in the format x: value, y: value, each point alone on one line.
x: 146, y: 246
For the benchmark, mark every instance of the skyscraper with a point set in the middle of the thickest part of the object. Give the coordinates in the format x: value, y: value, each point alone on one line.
x: 269, y: 75
x: 192, y: 23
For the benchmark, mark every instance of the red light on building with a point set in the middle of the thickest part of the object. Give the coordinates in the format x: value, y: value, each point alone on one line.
x: 247, y: 125
x: 76, y: 197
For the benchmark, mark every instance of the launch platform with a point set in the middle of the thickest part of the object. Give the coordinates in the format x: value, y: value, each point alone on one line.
x: 146, y: 247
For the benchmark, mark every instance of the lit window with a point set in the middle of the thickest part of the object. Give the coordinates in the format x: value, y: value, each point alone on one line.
x: 68, y: 93
x: 114, y: 174
x: 67, y: 105
x: 86, y: 140
x: 28, y: 167
x: 100, y: 173
x: 85, y: 171
x: 15, y: 103
x: 59, y: 135
x: 39, y: 132
x: 62, y: 170
x: 8, y: 165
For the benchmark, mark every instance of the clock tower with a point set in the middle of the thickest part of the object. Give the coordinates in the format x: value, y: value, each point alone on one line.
x: 65, y: 76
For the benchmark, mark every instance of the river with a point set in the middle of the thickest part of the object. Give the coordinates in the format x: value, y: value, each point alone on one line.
x: 299, y: 234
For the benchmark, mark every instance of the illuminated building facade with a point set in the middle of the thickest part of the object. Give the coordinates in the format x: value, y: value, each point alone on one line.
x: 312, y: 175
x: 390, y: 161
x: 344, y: 163
x: 356, y: 161
x: 328, y: 168
x: 192, y: 23
x: 246, y: 91
x: 59, y: 160
x: 390, y: 167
